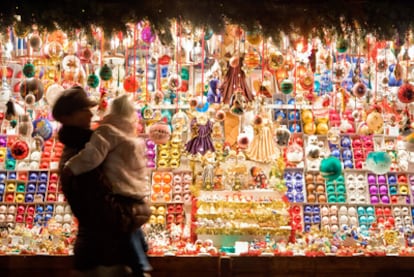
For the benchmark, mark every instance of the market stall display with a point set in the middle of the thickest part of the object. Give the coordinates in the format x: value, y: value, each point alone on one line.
x: 257, y: 147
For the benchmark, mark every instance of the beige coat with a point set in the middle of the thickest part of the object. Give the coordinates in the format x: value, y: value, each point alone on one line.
x: 122, y: 153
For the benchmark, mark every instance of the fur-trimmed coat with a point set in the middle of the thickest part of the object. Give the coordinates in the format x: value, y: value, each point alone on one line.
x: 115, y: 144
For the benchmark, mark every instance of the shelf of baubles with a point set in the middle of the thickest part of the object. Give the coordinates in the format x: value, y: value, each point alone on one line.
x: 357, y: 198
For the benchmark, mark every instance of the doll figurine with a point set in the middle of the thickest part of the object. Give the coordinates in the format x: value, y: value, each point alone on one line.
x: 263, y: 147
x: 201, y: 141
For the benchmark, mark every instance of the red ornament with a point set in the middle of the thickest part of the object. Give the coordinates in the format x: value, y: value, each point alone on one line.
x: 406, y: 93
x: 19, y: 149
x: 131, y: 84
x: 9, y: 73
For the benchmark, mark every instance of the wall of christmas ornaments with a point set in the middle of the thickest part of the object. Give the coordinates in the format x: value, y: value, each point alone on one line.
x: 247, y: 138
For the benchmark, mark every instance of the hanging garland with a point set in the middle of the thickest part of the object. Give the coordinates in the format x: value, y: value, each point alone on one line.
x: 383, y: 18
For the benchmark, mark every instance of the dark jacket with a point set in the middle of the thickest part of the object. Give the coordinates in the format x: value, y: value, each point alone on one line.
x: 105, y: 220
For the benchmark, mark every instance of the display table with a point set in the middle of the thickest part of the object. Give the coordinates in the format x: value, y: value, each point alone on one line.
x: 227, y: 266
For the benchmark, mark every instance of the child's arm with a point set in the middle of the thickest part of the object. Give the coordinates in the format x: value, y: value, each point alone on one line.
x: 94, y: 153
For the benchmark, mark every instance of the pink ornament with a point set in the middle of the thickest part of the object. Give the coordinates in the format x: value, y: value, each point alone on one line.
x: 385, y: 199
x: 150, y: 154
x: 150, y: 164
x: 374, y: 199
x: 371, y: 179
x: 382, y: 179
x: 383, y: 189
x: 159, y: 132
x: 146, y: 35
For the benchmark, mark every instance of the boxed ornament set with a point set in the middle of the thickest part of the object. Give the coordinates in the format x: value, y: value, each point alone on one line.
x: 301, y: 146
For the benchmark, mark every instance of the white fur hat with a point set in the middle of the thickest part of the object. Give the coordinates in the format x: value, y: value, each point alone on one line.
x: 122, y: 106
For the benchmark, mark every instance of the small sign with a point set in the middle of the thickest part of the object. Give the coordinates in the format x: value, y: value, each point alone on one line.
x: 241, y: 247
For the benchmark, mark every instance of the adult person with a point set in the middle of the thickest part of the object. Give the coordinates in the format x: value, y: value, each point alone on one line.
x: 105, y: 220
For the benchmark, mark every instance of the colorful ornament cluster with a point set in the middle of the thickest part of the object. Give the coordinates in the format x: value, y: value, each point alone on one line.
x: 242, y: 134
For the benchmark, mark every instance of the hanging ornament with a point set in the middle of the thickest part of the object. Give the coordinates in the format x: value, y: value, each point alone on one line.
x: 282, y: 136
x: 275, y: 60
x: 254, y: 36
x: 19, y: 149
x: 180, y: 121
x: 243, y: 141
x: 54, y: 50
x: 105, y: 73
x: 378, y: 162
x: 159, y: 132
x: 43, y: 128
x: 342, y: 45
x: 286, y: 86
x: 35, y: 42
x: 32, y: 86
x: 147, y: 113
x: 93, y: 80
x: 330, y: 168
x: 146, y: 35
x: 29, y: 70
x: 208, y: 34
x: 406, y: 93
x: 9, y: 73
x: 174, y: 82
x: 306, y: 81
x: 52, y: 93
x: 252, y: 59
x: 359, y: 89
x: 25, y: 126
x: 220, y: 116
x: 131, y: 84
x: 281, y: 74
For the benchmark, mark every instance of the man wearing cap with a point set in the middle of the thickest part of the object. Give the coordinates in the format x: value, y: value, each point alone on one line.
x: 105, y: 220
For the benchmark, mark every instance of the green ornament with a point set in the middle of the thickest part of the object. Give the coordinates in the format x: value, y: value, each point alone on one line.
x: 147, y: 113
x: 342, y: 45
x: 330, y: 168
x: 93, y: 81
x: 29, y: 70
x: 10, y: 164
x: 105, y: 73
x: 185, y: 75
x: 208, y: 34
x: 13, y: 123
x: 286, y: 86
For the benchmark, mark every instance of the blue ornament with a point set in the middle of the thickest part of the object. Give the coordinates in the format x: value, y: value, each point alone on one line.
x: 336, y: 153
x: 293, y: 115
x: 346, y: 154
x: 348, y: 164
x: 43, y: 128
x: 279, y: 101
x: 280, y: 114
x: 346, y: 142
x: 295, y: 128
x: 299, y: 197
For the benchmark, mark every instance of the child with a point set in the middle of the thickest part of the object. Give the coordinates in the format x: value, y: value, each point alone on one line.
x: 114, y: 143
